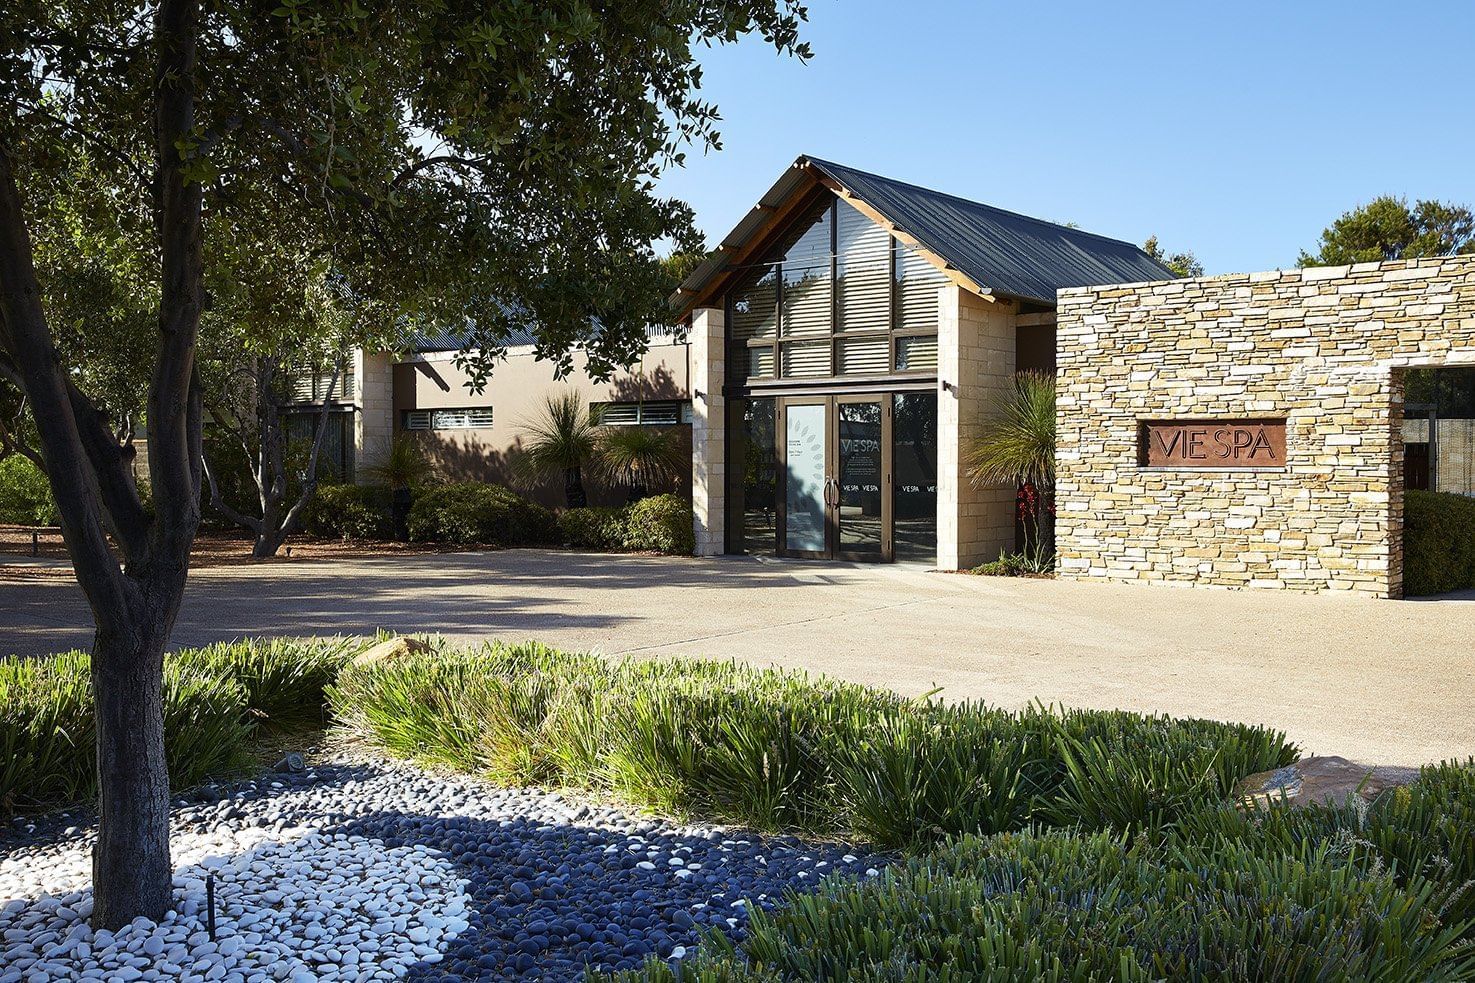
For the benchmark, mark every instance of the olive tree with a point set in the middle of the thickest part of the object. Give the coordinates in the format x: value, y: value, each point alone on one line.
x: 528, y: 135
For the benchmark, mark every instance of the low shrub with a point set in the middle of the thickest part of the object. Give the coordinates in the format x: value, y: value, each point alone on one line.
x: 1064, y: 906
x: 474, y: 513
x: 1438, y: 542
x: 594, y: 528
x: 662, y: 524
x: 215, y: 699
x: 782, y: 750
x: 349, y: 512
x: 1017, y: 565
x: 25, y: 494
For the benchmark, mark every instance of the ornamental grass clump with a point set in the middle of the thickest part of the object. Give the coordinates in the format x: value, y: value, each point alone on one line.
x: 216, y: 700
x: 1067, y: 906
x: 782, y: 750
x: 47, y: 738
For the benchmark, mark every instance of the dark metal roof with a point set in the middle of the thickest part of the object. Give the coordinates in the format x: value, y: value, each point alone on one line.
x: 1000, y: 251
x: 455, y: 341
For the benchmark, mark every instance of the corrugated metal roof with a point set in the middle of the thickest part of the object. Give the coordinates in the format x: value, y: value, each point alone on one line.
x: 1001, y: 251
x: 455, y: 341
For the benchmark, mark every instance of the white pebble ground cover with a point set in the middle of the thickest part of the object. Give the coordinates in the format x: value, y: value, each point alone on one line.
x: 377, y: 872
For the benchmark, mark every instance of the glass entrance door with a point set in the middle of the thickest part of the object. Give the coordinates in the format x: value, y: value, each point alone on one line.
x: 836, y: 476
x: 862, y: 508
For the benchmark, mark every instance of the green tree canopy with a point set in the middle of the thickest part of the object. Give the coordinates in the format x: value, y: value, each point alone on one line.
x: 1387, y: 228
x: 1183, y: 264
x: 483, y: 164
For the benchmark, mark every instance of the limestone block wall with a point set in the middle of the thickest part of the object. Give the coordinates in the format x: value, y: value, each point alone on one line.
x: 975, y: 370
x: 707, y: 372
x: 374, y: 398
x: 1323, y: 348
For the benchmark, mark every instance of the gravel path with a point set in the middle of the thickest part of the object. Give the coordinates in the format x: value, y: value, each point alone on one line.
x: 370, y: 872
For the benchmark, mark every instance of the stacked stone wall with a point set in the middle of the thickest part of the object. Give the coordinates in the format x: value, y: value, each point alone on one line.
x: 1324, y: 349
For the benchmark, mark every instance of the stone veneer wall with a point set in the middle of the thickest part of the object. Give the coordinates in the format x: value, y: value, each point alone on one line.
x: 1321, y: 347
x: 706, y: 364
x: 373, y: 393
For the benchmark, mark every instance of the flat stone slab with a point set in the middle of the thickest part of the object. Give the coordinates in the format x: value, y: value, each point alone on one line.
x: 1323, y: 780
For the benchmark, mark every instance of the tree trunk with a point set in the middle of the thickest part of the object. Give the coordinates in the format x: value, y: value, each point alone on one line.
x: 131, y: 871
x: 573, y: 488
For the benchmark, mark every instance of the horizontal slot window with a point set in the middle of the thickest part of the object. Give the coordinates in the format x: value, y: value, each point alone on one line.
x: 468, y: 418
x: 663, y: 413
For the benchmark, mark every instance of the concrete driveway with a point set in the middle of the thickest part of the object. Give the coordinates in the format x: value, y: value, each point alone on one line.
x: 1385, y: 682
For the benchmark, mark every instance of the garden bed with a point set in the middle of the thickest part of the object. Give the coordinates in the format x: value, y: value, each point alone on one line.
x: 1042, y: 844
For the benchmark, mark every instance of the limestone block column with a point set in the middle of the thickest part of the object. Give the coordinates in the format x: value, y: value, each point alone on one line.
x: 374, y: 421
x: 975, y: 371
x: 706, y: 351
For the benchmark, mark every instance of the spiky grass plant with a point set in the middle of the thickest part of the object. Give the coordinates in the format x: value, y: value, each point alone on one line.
x: 640, y: 458
x: 783, y: 750
x: 1016, y: 447
x: 560, y: 439
x: 1062, y: 906
x: 215, y: 701
x: 403, y: 464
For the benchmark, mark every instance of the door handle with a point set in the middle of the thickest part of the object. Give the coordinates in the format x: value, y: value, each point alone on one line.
x: 832, y: 492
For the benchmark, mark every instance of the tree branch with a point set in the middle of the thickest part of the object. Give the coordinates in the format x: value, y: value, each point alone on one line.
x: 218, y: 503
x: 174, y: 395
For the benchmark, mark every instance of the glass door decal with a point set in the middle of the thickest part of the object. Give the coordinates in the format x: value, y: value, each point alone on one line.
x: 804, y: 444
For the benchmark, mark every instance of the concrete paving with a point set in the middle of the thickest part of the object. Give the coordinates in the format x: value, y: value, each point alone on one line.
x: 1380, y: 681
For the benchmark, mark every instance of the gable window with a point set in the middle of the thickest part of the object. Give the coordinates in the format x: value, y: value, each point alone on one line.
x: 661, y: 413
x: 468, y: 418
x: 837, y: 295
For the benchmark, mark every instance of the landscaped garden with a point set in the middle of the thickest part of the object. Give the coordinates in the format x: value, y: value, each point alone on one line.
x: 518, y: 812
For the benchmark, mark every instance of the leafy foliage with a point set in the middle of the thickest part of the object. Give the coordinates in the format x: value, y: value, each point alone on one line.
x: 1183, y: 264
x: 1438, y: 542
x: 1387, y: 228
x: 403, y: 464
x: 638, y: 458
x: 471, y: 512
x: 560, y: 439
x: 662, y: 524
x: 594, y: 528
x: 349, y: 512
x: 1017, y: 442
x: 25, y: 494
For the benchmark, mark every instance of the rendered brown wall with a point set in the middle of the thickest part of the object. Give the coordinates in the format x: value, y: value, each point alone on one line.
x: 1322, y: 348
x: 515, y: 393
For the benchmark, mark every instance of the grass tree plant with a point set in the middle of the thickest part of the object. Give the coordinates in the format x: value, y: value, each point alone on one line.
x: 637, y: 458
x: 1016, y: 446
x: 561, y: 439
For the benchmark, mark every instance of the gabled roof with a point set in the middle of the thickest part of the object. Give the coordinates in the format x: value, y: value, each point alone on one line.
x: 988, y: 249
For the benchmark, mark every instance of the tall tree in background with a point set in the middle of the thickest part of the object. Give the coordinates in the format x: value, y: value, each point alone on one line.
x: 1387, y: 228
x: 1183, y: 264
x: 529, y: 135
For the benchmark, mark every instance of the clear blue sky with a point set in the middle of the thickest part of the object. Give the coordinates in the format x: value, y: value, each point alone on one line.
x: 1236, y: 130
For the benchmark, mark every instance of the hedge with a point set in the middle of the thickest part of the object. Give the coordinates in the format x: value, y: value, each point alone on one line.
x: 350, y: 512
x: 215, y: 700
x: 474, y: 513
x: 659, y: 524
x: 782, y: 750
x: 1438, y: 542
